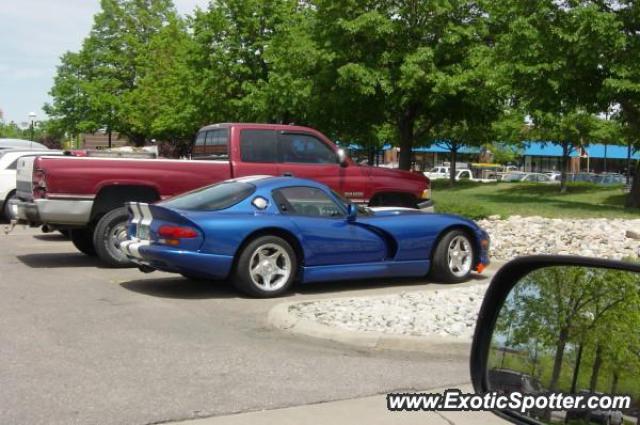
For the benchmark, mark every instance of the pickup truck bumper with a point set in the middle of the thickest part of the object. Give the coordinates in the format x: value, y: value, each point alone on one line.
x: 54, y: 211
x: 426, y: 206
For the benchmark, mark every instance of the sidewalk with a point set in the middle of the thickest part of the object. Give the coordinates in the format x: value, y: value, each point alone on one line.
x: 368, y: 410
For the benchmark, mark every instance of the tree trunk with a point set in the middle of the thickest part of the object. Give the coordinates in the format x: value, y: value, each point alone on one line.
x: 633, y: 199
x: 576, y: 370
x: 595, y: 371
x: 557, y: 362
x: 565, y: 167
x: 406, y: 128
x: 614, y: 383
x: 452, y: 168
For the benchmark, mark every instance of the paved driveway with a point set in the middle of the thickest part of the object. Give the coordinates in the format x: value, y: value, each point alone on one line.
x: 87, y: 345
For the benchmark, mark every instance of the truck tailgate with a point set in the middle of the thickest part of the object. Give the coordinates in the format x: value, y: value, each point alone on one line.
x: 24, y: 178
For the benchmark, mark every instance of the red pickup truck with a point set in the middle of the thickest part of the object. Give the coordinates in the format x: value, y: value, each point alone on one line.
x: 86, y: 196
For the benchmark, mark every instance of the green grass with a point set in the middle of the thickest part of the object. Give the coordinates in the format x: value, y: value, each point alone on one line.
x: 480, y: 200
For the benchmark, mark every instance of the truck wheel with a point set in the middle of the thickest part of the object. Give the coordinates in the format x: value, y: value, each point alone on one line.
x: 266, y: 267
x: 109, y: 232
x: 8, y: 210
x: 83, y: 240
x: 452, y: 259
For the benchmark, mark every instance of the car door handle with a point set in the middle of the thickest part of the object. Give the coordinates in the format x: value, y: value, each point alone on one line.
x: 287, y: 174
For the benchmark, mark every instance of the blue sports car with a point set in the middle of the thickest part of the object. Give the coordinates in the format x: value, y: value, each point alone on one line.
x: 267, y: 232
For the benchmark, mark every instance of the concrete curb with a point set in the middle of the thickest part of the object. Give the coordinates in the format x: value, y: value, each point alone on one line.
x: 281, y: 318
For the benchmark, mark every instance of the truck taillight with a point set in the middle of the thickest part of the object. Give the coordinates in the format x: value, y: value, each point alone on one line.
x: 39, y: 184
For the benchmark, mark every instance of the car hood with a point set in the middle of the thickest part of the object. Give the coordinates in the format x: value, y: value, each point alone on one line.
x: 393, y: 172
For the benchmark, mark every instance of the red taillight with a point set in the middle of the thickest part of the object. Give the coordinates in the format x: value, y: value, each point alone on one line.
x: 39, y: 183
x: 177, y: 232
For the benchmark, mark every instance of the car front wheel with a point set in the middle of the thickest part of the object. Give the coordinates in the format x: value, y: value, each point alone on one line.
x: 453, y: 258
x: 266, y: 267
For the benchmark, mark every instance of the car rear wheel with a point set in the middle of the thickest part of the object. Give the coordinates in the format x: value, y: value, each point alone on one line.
x: 266, y: 267
x: 453, y: 258
x: 110, y: 231
x: 83, y: 240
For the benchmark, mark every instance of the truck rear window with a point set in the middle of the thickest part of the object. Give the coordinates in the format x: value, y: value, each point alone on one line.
x: 212, y: 144
x: 212, y: 198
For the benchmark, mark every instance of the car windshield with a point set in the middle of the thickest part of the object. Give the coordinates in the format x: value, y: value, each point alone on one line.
x: 362, y: 210
x: 212, y: 198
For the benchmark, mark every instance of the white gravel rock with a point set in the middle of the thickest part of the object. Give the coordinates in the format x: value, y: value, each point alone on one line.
x: 450, y: 312
x: 595, y: 237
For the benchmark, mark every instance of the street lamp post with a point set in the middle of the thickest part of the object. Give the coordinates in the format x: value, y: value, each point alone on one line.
x: 32, y: 119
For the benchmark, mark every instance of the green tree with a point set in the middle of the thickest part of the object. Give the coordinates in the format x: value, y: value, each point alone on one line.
x: 623, y: 82
x: 91, y: 87
x: 410, y: 64
x: 552, y: 53
x: 163, y: 105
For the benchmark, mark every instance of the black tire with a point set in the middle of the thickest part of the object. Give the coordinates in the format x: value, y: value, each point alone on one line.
x: 109, y: 232
x: 242, y: 278
x: 83, y: 240
x: 440, y: 268
x: 6, y: 209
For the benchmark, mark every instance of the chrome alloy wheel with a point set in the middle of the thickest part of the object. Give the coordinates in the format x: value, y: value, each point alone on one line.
x: 270, y: 267
x: 460, y: 256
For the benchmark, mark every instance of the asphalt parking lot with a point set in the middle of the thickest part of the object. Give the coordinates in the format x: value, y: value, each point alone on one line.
x: 81, y: 344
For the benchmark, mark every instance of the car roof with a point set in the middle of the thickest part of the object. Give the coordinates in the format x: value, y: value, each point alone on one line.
x: 277, y: 182
x: 258, y: 126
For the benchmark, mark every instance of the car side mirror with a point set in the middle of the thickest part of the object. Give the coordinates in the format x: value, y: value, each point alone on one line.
x: 352, y: 212
x: 342, y: 158
x: 565, y: 325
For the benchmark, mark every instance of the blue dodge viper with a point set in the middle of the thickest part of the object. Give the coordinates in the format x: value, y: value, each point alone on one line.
x: 267, y: 232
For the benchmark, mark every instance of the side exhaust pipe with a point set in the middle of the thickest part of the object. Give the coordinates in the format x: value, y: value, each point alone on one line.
x: 146, y: 269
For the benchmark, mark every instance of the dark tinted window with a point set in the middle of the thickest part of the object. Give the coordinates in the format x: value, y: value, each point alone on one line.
x: 212, y: 144
x: 307, y: 201
x: 212, y: 198
x: 258, y: 146
x: 305, y: 148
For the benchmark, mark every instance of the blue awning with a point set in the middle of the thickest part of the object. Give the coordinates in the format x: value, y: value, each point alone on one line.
x: 594, y: 150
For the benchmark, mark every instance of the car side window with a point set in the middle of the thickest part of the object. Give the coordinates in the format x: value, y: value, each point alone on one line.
x: 306, y: 201
x: 258, y: 146
x: 304, y: 148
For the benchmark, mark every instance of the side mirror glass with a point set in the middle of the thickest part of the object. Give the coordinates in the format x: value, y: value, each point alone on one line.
x: 352, y: 212
x: 562, y: 325
x: 342, y: 158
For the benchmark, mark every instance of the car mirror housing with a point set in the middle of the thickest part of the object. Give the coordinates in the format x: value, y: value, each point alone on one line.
x: 561, y: 324
x: 342, y: 158
x: 352, y: 212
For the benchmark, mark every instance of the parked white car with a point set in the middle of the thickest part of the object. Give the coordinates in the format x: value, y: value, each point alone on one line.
x: 21, y: 144
x: 8, y: 164
x: 528, y: 177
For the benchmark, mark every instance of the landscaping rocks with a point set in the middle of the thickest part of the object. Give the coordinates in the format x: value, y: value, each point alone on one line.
x: 444, y: 313
x: 596, y: 237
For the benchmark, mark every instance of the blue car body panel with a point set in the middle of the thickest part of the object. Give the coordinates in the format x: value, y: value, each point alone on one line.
x: 389, y: 243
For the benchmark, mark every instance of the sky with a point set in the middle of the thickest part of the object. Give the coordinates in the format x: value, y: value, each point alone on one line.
x: 33, y: 36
